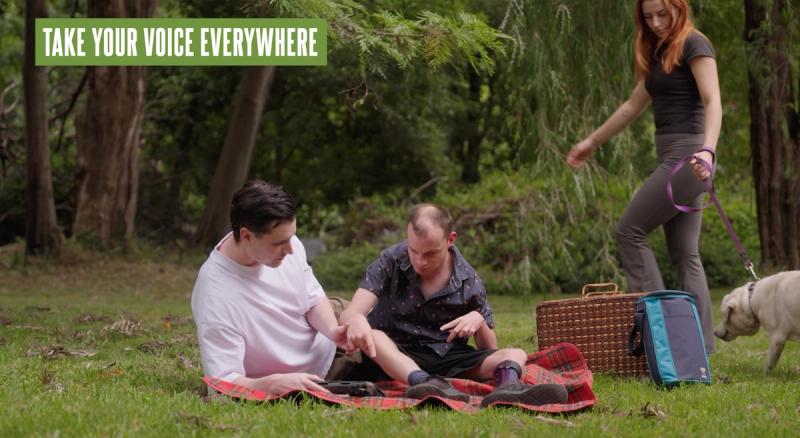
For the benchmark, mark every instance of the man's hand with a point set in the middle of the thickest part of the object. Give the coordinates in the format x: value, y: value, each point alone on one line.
x: 279, y: 384
x: 340, y: 338
x: 359, y: 335
x: 340, y: 335
x: 463, y: 326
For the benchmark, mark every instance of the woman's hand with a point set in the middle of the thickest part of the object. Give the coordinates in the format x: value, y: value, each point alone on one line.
x: 581, y: 152
x: 700, y: 171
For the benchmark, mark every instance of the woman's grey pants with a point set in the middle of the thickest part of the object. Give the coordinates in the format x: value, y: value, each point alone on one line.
x: 649, y: 209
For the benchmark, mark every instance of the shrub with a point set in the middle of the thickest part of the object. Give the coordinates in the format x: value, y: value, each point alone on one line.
x: 342, y: 269
x: 528, y: 233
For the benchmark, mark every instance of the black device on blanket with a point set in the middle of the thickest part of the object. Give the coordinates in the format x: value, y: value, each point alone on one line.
x: 356, y: 388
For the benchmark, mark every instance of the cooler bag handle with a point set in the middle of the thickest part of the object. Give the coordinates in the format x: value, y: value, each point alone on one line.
x: 604, y: 289
x: 636, y: 350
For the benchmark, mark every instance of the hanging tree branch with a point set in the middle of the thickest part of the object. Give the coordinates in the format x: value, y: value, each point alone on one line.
x: 72, y: 102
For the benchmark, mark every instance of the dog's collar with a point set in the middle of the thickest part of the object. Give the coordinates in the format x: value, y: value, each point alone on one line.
x: 751, y: 288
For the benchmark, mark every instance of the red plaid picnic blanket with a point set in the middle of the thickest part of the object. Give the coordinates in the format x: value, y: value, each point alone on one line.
x: 562, y: 363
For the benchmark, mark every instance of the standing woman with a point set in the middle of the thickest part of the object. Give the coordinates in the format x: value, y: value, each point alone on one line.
x: 675, y: 68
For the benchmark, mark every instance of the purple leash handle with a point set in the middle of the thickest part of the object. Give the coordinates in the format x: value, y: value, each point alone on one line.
x: 708, y: 182
x: 712, y: 198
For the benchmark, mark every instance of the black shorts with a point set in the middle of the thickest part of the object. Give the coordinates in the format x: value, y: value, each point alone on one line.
x: 460, y: 358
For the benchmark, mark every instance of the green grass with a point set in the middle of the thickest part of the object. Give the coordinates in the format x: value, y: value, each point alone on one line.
x: 144, y: 379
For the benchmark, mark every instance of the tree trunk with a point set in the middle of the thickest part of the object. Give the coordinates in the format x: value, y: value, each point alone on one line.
x: 107, y: 133
x: 470, y: 172
x: 234, y: 161
x: 41, y: 227
x: 774, y: 136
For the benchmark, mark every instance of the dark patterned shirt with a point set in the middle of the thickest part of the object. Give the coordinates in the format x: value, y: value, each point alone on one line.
x: 402, y: 311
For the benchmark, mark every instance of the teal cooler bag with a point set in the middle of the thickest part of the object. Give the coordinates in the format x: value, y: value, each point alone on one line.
x: 671, y: 338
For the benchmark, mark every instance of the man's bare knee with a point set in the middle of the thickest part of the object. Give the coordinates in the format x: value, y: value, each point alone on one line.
x: 514, y: 354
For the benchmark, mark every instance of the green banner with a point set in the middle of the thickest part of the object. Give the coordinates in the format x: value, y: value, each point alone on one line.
x: 181, y: 41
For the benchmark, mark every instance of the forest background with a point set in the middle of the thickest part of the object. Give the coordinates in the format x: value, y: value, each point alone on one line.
x: 472, y: 104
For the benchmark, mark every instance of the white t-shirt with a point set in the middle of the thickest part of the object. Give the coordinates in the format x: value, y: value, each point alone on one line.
x: 251, y: 319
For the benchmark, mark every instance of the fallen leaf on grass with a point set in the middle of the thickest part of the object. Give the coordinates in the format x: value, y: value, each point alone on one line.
x: 88, y: 318
x: 49, y: 384
x: 773, y: 412
x: 194, y: 420
x: 27, y: 327
x: 723, y: 378
x: 114, y: 371
x: 609, y: 410
x: 215, y: 398
x: 185, y: 340
x: 152, y: 347
x: 125, y: 327
x: 54, y: 352
x: 554, y: 421
x: 5, y: 321
x: 55, y: 387
x: 649, y: 411
x: 58, y: 351
x: 520, y: 424
x: 83, y: 335
x: 175, y: 320
x: 415, y: 416
x: 754, y: 406
x: 2, y: 341
x: 47, y: 377
x: 82, y: 353
x: 185, y: 362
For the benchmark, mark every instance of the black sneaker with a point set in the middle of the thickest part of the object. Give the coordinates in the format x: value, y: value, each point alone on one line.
x: 534, y: 395
x: 435, y: 386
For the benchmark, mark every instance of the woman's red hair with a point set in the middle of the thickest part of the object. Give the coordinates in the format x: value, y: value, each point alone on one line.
x: 647, y: 41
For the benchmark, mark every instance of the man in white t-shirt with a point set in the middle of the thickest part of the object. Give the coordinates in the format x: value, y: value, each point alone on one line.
x: 263, y: 320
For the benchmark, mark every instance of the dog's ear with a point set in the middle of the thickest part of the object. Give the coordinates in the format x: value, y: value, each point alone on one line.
x: 726, y: 310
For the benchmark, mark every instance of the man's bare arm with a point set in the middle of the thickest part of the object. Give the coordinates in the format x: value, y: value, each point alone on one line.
x: 359, y: 332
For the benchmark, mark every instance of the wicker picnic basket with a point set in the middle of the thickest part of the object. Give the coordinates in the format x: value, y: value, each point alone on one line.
x: 598, y: 323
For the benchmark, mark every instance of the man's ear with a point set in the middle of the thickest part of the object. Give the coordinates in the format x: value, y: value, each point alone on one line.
x: 244, y: 234
x: 451, y: 239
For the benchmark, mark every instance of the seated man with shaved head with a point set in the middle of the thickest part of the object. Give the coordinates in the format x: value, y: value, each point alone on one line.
x: 417, y: 307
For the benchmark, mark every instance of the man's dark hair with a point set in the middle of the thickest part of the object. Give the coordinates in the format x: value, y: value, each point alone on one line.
x: 260, y: 206
x: 422, y: 216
